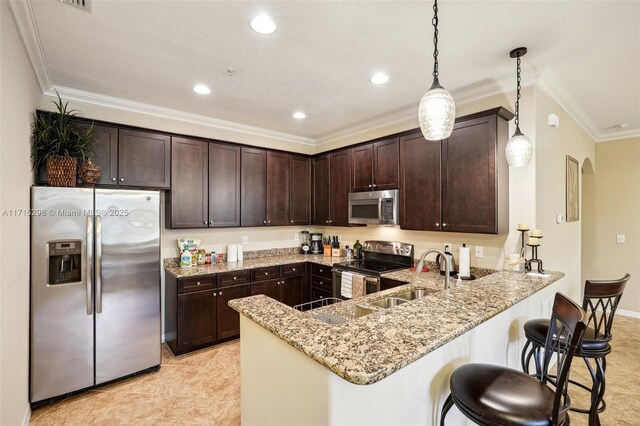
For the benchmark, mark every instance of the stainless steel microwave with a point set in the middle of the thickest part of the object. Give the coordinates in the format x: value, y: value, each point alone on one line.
x: 375, y: 207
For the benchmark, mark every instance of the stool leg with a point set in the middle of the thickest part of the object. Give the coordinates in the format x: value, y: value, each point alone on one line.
x: 448, y: 403
x: 523, y: 357
x: 538, y: 359
x: 597, y: 390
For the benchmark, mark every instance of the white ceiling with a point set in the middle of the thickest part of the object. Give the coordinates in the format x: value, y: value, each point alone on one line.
x: 322, y: 54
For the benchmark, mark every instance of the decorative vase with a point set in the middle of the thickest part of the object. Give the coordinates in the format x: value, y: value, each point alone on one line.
x: 89, y: 173
x: 62, y: 171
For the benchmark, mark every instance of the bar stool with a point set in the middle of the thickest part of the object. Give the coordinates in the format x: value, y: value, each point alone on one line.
x: 492, y: 395
x: 600, y: 300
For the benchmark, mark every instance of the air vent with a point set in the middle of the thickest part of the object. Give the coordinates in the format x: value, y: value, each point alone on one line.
x: 80, y: 4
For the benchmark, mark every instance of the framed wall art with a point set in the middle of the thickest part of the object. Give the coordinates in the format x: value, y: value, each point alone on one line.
x: 573, y: 189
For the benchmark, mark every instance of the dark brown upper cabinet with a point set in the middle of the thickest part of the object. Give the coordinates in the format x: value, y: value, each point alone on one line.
x: 105, y: 153
x: 253, y: 187
x: 224, y: 185
x: 144, y: 159
x: 460, y: 184
x: 187, y: 204
x: 375, y: 166
x: 421, y: 187
x: 340, y: 184
x: 278, y: 188
x: 321, y: 190
x: 300, y: 192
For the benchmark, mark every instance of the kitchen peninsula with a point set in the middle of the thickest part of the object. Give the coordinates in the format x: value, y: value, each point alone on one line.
x: 391, y: 366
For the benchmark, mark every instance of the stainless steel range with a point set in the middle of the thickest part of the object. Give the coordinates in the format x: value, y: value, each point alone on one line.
x: 379, y: 257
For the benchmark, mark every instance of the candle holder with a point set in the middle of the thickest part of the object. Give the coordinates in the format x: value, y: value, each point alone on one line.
x: 524, y: 235
x: 534, y: 258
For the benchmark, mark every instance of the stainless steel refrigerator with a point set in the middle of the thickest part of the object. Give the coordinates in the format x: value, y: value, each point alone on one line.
x: 95, y: 287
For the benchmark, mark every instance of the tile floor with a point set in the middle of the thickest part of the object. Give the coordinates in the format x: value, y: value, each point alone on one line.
x: 204, y: 388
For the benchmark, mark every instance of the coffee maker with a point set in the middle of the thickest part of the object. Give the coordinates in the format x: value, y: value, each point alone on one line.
x: 304, y: 237
x: 316, y: 243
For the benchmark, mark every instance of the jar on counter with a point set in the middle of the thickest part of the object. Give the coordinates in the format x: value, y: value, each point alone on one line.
x: 207, y: 258
x: 201, y: 254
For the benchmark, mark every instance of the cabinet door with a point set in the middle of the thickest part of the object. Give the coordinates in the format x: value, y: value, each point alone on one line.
x: 362, y: 168
x: 321, y: 190
x: 253, y: 187
x: 144, y: 159
x: 196, y: 319
x: 278, y: 185
x: 188, y: 200
x: 292, y: 290
x: 228, y: 318
x: 268, y: 288
x: 224, y: 185
x: 340, y: 187
x: 420, y: 189
x: 300, y: 195
x: 105, y: 153
x: 469, y: 182
x: 386, y: 174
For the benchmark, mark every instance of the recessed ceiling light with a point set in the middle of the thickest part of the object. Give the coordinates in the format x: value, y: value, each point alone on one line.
x: 379, y: 78
x: 201, y: 89
x: 299, y: 115
x: 263, y: 24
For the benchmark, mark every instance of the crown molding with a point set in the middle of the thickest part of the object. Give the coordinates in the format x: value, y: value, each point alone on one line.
x: 622, y: 134
x: 26, y: 23
x: 91, y: 98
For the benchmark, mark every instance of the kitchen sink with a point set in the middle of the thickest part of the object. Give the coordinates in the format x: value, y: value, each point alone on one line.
x: 388, y: 302
x: 413, y: 294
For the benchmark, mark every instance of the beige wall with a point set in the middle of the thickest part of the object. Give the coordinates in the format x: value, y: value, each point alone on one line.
x: 612, y: 206
x: 19, y: 94
x: 561, y: 245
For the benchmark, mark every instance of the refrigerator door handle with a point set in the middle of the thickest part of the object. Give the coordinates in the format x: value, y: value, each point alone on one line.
x: 89, y: 264
x: 98, y: 264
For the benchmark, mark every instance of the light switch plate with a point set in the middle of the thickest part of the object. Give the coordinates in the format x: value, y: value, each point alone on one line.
x: 245, y: 239
x: 620, y: 238
x: 479, y: 251
x: 296, y: 236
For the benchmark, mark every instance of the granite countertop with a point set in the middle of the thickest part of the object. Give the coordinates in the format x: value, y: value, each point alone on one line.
x: 171, y: 266
x: 367, y: 349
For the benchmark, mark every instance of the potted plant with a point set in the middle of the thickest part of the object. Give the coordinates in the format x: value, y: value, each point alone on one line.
x: 58, y: 142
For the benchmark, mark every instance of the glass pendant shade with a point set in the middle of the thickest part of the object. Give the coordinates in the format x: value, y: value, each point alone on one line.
x: 518, y: 150
x: 436, y: 113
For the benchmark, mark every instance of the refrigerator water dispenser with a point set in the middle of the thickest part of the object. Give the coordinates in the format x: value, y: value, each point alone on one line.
x: 65, y: 261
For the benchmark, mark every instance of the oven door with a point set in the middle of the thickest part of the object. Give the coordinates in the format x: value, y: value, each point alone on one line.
x: 371, y: 283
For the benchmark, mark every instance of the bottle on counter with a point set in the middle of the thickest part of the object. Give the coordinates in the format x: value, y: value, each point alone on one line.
x: 185, y: 258
x: 357, y: 250
x: 201, y: 258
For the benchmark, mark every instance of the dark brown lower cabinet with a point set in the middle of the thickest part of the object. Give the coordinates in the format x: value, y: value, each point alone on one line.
x: 292, y: 290
x: 228, y: 319
x: 268, y: 288
x: 196, y: 319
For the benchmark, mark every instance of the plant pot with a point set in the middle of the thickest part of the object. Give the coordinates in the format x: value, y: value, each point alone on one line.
x: 61, y: 171
x: 89, y: 173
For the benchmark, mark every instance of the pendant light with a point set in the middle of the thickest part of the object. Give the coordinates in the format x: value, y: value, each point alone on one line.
x: 519, y: 146
x: 437, y: 111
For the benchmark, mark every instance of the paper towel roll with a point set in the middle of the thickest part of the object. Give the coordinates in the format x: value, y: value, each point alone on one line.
x: 232, y: 253
x: 240, y: 249
x: 464, y: 256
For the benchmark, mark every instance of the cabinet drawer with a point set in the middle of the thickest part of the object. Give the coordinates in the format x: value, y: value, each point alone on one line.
x: 317, y: 294
x: 233, y: 278
x: 321, y: 270
x: 187, y: 285
x: 292, y: 269
x: 266, y: 273
x: 322, y: 283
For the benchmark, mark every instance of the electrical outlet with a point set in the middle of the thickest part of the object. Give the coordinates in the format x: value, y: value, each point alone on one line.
x: 479, y: 251
x: 245, y: 239
x: 560, y: 219
x: 296, y: 236
x: 447, y: 247
x: 620, y: 238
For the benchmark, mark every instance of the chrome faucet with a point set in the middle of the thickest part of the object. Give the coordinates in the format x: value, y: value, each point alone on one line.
x: 447, y: 282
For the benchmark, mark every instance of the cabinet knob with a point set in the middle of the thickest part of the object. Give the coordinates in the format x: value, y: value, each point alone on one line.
x: 264, y: 221
x: 370, y: 186
x: 205, y: 222
x: 113, y: 179
x: 444, y: 225
x: 437, y: 225
x: 374, y: 185
x: 326, y: 221
x: 269, y: 222
x: 198, y: 283
x: 291, y: 221
x: 214, y: 294
x: 121, y: 179
x: 235, y: 278
x: 321, y: 270
x: 293, y: 269
x: 321, y: 297
x: 210, y: 222
x: 266, y: 273
x: 220, y: 293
